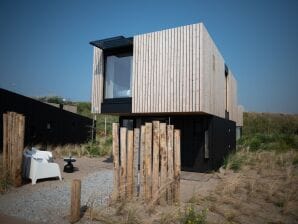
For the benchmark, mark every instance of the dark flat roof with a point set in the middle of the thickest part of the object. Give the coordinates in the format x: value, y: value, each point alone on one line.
x: 114, y: 42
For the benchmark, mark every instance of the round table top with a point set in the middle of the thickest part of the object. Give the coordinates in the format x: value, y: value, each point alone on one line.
x: 69, y: 159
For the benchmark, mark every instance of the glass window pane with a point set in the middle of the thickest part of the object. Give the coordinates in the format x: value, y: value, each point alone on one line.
x: 118, y: 76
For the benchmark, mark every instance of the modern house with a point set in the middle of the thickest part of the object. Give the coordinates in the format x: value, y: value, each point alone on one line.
x: 177, y: 76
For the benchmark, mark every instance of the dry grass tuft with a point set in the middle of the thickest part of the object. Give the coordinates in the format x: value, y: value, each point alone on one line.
x: 263, y: 189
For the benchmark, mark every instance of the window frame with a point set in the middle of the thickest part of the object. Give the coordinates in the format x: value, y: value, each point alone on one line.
x: 128, y: 51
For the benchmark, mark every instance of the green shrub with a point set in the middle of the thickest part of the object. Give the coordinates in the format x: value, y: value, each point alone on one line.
x: 234, y: 161
x: 102, y: 147
x: 192, y: 216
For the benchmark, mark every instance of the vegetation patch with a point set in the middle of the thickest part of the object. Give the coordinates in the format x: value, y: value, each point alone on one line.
x: 192, y: 216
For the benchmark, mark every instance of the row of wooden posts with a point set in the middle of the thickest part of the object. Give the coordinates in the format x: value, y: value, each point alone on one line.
x: 147, y: 163
x: 13, y: 146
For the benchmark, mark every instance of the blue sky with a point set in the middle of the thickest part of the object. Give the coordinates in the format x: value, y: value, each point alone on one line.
x: 44, y: 46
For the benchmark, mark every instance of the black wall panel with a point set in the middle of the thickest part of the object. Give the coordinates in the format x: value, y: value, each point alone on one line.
x: 45, y: 124
x: 221, y: 138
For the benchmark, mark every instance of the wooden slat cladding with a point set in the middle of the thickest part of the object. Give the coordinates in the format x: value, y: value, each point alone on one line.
x: 176, y: 70
x: 212, y: 79
x: 166, y: 73
x: 97, y: 81
x: 240, y: 116
x: 232, y: 97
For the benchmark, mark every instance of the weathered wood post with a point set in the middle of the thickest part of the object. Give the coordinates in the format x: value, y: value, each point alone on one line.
x: 177, y: 165
x: 136, y: 148
x: 123, y: 160
x: 75, y: 203
x: 13, y: 146
x: 5, y: 143
x: 19, y: 147
x: 170, y: 144
x: 148, y: 161
x: 142, y: 163
x: 129, y: 179
x: 116, y: 160
x: 155, y: 169
x: 149, y: 164
x: 163, y: 162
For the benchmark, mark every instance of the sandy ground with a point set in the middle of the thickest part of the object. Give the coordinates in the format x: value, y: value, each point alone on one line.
x: 262, y: 193
x: 31, y: 197
x: 191, y: 183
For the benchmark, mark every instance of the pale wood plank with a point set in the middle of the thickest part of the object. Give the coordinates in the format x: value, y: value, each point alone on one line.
x: 142, y: 163
x: 136, y: 149
x: 148, y: 161
x: 13, y: 152
x: 75, y: 203
x: 187, y: 106
x: 9, y: 143
x: 197, y: 66
x: 116, y: 161
x: 170, y: 147
x: 163, y: 162
x: 177, y: 164
x: 129, y: 175
x: 175, y: 84
x: 179, y: 70
x: 184, y: 78
x: 20, y: 133
x: 123, y: 165
x: 5, y: 142
x: 155, y: 165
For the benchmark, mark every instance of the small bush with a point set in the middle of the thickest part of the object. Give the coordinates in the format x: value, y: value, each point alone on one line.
x: 192, y: 216
x: 234, y: 161
x: 102, y: 147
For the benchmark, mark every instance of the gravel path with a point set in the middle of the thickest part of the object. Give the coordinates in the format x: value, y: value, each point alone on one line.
x: 49, y: 201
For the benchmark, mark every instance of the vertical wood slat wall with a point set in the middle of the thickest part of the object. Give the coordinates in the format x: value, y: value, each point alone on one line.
x: 232, y: 97
x: 166, y: 71
x: 180, y: 70
x: 174, y: 70
x: 240, y: 115
x: 97, y: 81
x: 212, y: 78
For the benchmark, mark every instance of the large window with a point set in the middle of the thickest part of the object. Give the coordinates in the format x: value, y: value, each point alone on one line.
x: 118, y: 72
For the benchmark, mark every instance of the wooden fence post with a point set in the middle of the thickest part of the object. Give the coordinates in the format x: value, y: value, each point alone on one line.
x: 136, y: 148
x: 129, y: 180
x: 123, y: 135
x: 13, y: 146
x: 177, y: 165
x: 13, y: 156
x: 170, y: 143
x: 9, y: 139
x: 142, y: 163
x: 155, y: 169
x: 163, y: 162
x: 75, y: 204
x: 116, y: 160
x: 5, y: 143
x: 148, y: 161
x: 19, y: 147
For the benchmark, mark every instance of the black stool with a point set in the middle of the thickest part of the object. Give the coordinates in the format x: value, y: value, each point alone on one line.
x: 68, y: 168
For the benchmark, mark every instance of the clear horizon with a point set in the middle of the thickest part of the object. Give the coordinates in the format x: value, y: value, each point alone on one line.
x: 45, y: 44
